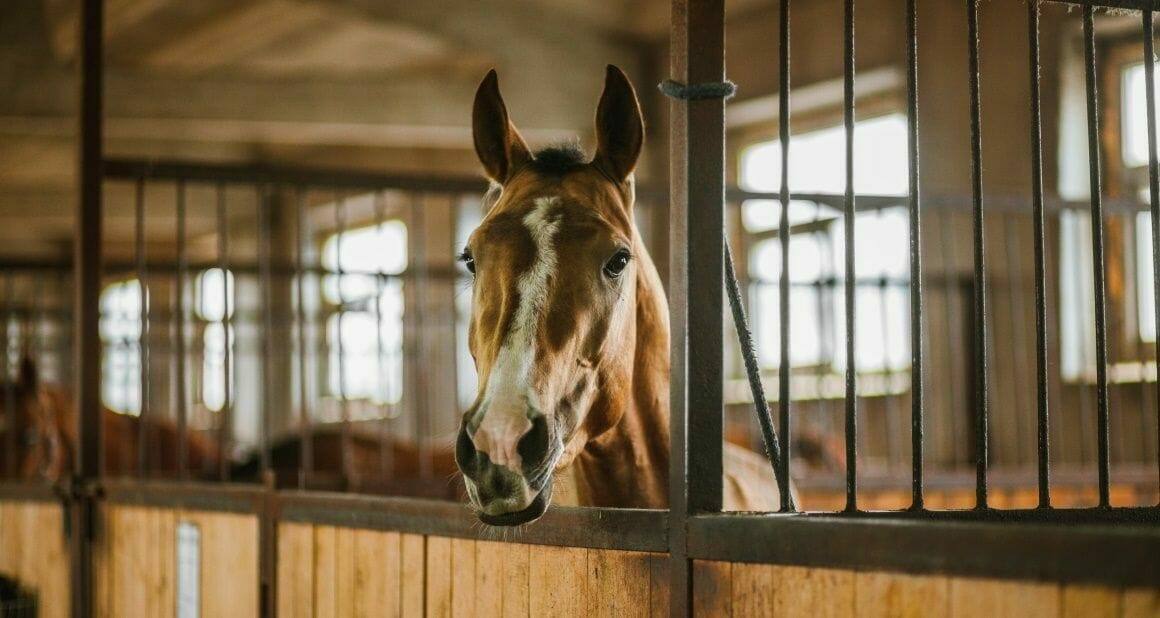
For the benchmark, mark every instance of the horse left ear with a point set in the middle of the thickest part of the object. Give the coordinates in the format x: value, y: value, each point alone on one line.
x: 619, y: 126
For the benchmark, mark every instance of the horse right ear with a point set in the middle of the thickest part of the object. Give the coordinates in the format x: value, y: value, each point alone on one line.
x: 499, y: 145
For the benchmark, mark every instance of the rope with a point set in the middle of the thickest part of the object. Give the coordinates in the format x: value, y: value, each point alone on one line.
x: 753, y: 372
x: 698, y: 92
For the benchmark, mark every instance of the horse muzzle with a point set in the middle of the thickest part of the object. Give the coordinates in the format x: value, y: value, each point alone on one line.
x: 517, y: 491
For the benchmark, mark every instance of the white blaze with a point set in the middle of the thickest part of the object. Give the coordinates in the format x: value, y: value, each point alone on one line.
x: 509, y: 395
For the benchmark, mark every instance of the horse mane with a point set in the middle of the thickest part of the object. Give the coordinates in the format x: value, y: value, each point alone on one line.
x: 559, y: 159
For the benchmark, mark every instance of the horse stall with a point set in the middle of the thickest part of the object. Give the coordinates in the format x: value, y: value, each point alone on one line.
x: 906, y: 366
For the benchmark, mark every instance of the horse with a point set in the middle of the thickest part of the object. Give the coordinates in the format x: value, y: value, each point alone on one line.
x: 569, y: 329
x: 42, y: 427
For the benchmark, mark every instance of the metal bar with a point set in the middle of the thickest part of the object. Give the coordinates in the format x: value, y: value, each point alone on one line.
x: 784, y: 369
x: 201, y: 496
x: 1153, y: 178
x: 623, y: 529
x: 179, y: 317
x: 386, y: 460
x: 935, y: 542
x: 1139, y: 5
x: 263, y: 250
x: 305, y: 422
x: 850, y: 272
x: 980, y: 304
x: 916, y: 341
x: 696, y: 236
x: 225, y: 420
x: 1097, y: 253
x: 12, y: 464
x: 344, y: 405
x: 142, y: 278
x: 87, y: 262
x: 1042, y: 412
x: 421, y: 384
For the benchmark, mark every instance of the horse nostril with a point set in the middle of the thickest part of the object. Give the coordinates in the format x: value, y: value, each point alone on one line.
x: 533, y: 446
x: 466, y: 457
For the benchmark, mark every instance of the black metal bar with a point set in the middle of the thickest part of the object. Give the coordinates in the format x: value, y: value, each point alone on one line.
x: 344, y: 405
x: 916, y: 340
x: 1042, y: 412
x: 1140, y: 5
x: 179, y: 317
x: 220, y: 497
x: 12, y: 465
x: 850, y: 272
x: 623, y: 529
x: 1153, y: 181
x: 937, y: 542
x: 696, y: 236
x: 1097, y: 253
x: 143, y: 343
x: 225, y: 419
x: 980, y: 305
x: 305, y: 422
x: 784, y: 369
x: 264, y: 283
x: 87, y: 468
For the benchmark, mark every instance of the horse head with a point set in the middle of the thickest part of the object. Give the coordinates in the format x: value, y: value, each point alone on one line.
x: 31, y: 423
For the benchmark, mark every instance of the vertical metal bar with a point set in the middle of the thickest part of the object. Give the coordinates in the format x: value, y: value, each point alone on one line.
x: 87, y: 262
x: 386, y: 459
x: 305, y: 422
x: 1042, y: 412
x: 10, y: 444
x: 784, y: 369
x: 179, y: 315
x: 225, y: 418
x: 1097, y: 213
x: 144, y: 415
x: 916, y: 342
x: 344, y: 405
x: 980, y: 308
x: 850, y: 272
x: 1153, y: 177
x: 263, y: 250
x: 697, y: 162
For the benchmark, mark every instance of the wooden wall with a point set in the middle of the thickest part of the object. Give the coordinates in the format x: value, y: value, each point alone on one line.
x: 329, y: 571
x: 33, y: 550
x: 735, y: 589
x: 137, y: 562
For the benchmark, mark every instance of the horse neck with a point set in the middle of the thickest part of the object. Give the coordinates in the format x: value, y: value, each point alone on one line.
x: 628, y: 466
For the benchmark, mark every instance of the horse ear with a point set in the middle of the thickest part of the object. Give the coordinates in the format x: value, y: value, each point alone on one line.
x: 619, y: 126
x: 499, y: 145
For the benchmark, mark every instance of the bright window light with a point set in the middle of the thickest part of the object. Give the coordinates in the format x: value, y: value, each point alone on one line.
x: 1135, y: 118
x: 120, y: 328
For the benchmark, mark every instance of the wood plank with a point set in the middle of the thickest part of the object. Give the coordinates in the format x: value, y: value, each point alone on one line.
x: 295, y: 570
x: 229, y: 563
x: 489, y: 575
x: 1090, y: 602
x: 893, y: 594
x: 816, y: 592
x: 372, y: 559
x: 325, y: 567
x: 658, y: 598
x: 1140, y: 603
x: 515, y: 580
x: 164, y: 592
x: 438, y: 577
x: 345, y: 585
x: 557, y: 581
x: 129, y: 596
x: 712, y: 588
x: 752, y: 589
x: 102, y: 565
x: 411, y: 574
x: 987, y: 598
x: 463, y: 577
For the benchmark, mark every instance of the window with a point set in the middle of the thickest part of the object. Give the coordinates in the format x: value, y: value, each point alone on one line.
x: 1135, y: 154
x: 361, y: 365
x: 214, y: 305
x: 468, y: 217
x: 817, y: 248
x: 120, y: 328
x: 1134, y: 117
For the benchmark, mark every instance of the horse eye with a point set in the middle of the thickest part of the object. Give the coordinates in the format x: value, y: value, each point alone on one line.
x: 468, y: 261
x: 617, y: 263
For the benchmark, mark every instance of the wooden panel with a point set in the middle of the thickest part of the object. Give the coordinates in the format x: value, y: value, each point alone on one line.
x: 411, y: 575
x: 438, y: 584
x: 376, y: 567
x: 325, y: 570
x: 890, y: 594
x: 1141, y: 603
x: 295, y: 570
x: 515, y: 580
x: 557, y: 581
x: 463, y: 577
x: 489, y: 561
x: 1091, y: 602
x: 346, y: 590
x: 34, y: 551
x: 752, y: 587
x: 987, y: 598
x: 816, y: 592
x: 658, y: 600
x: 712, y: 588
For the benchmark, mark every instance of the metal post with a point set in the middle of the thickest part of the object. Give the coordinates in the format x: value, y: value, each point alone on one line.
x: 87, y: 260
x: 697, y: 163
